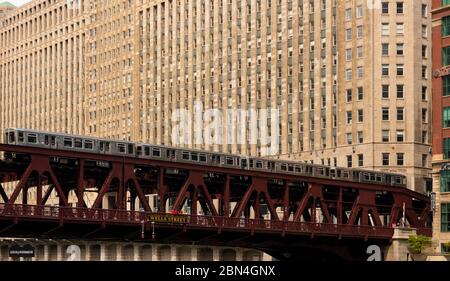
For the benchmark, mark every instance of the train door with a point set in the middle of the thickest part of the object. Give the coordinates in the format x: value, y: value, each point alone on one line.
x: 244, y: 163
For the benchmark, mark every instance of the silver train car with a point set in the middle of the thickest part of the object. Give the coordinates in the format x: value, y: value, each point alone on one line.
x: 164, y: 153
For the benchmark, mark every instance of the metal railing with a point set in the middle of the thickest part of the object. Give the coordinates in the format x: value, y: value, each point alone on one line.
x: 213, y: 222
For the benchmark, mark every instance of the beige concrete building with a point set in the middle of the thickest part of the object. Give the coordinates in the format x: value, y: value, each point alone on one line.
x: 349, y: 80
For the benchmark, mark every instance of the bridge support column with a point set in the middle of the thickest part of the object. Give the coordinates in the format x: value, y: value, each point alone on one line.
x: 154, y: 253
x: 136, y: 256
x: 194, y: 254
x: 103, y: 254
x: 398, y: 250
x: 216, y: 254
x: 173, y: 253
x: 239, y: 255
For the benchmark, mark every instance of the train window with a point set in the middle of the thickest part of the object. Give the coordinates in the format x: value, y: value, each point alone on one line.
x: 139, y: 150
x: 31, y: 138
x: 20, y: 138
x: 156, y: 152
x: 147, y: 150
x: 333, y: 173
x: 52, y: 140
x: 46, y: 140
x: 121, y: 147
x: 107, y: 147
x: 194, y: 156
x: 259, y: 164
x: 202, y: 157
x: 297, y: 169
x: 67, y: 142
x: 78, y: 143
x: 11, y: 137
x: 398, y: 180
x: 366, y: 176
x: 216, y: 158
x: 379, y: 178
x: 185, y: 155
x: 88, y: 144
x: 230, y: 160
x: 284, y: 167
x: 170, y: 153
x: 130, y: 149
x: 102, y: 146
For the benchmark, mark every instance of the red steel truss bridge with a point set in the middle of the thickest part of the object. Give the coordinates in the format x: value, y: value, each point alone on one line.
x: 281, y: 214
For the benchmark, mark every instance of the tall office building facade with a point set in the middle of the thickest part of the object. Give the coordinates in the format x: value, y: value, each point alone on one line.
x: 343, y: 83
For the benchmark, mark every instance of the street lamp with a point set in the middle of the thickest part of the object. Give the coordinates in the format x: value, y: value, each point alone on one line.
x: 142, y: 223
x: 153, y: 230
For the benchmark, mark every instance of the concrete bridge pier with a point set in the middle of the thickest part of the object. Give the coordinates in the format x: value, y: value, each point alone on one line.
x: 398, y: 249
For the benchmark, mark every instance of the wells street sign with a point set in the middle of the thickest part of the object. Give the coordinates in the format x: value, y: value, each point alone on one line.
x: 168, y: 218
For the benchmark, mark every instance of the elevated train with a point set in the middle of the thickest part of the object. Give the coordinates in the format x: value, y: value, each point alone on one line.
x: 61, y: 141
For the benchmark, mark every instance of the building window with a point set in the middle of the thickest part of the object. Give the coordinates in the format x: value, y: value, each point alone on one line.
x: 399, y: 7
x: 349, y: 117
x: 349, y: 95
x: 359, y: 12
x: 348, y: 74
x: 424, y: 31
x: 446, y: 85
x: 348, y: 34
x: 424, y: 10
x: 400, y: 28
x: 424, y: 93
x: 400, y: 70
x: 424, y: 160
x: 385, y: 8
x: 385, y: 135
x: 400, y: 91
x: 360, y: 137
x: 348, y: 14
x: 445, y: 217
x: 385, y: 69
x: 349, y: 138
x: 385, y: 159
x: 400, y: 136
x: 400, y: 159
x: 359, y: 52
x: 400, y: 114
x: 349, y: 54
x: 385, y: 91
x: 446, y: 148
x: 360, y: 72
x: 385, y: 113
x: 424, y: 51
x: 446, y: 117
x: 360, y: 115
x: 424, y: 137
x: 360, y: 160
x: 385, y: 49
x: 446, y: 25
x: 424, y: 115
x: 360, y: 93
x: 349, y: 161
x: 400, y: 49
x: 446, y: 56
x: 445, y: 181
x: 385, y: 29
